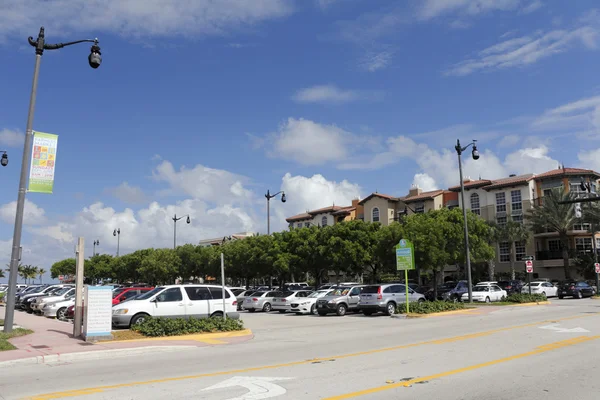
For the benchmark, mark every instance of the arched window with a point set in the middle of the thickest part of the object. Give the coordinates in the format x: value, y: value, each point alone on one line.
x: 375, y: 214
x: 324, y: 221
x: 475, y: 203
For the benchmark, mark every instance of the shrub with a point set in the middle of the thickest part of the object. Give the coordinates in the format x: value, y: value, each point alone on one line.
x: 429, y: 307
x: 174, y: 327
x: 2, y: 294
x: 525, y: 298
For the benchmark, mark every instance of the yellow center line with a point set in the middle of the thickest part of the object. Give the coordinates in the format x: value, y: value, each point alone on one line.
x: 538, y: 350
x: 98, y: 389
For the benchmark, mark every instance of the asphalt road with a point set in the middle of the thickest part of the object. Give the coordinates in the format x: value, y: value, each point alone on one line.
x: 497, y: 353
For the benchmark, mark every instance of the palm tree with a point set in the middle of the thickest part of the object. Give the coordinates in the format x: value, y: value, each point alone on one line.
x: 41, y: 273
x: 552, y: 216
x: 32, y: 273
x: 511, y: 232
x: 2, y: 273
x: 22, y: 273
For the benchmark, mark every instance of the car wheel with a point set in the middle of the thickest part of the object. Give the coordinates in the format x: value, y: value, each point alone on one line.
x: 544, y: 295
x: 267, y: 307
x: 60, y: 314
x: 561, y: 297
x: 138, y: 319
x: 217, y: 314
x: 487, y: 300
x: 341, y: 310
x: 251, y: 310
x: 578, y: 295
x: 368, y: 312
x: 421, y: 300
x: 390, y: 308
x: 313, y: 309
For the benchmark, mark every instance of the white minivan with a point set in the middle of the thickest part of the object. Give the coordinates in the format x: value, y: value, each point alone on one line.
x: 176, y: 301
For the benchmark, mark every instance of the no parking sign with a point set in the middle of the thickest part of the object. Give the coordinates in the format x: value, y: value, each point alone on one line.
x: 529, y: 266
x: 597, y: 267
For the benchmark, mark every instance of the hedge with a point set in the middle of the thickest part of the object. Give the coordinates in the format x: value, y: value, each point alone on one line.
x: 525, y: 298
x: 2, y: 294
x: 429, y: 307
x: 179, y: 326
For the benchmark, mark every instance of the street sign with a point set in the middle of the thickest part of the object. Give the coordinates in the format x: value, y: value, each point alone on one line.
x: 528, y: 258
x: 529, y: 266
x: 597, y: 267
x: 61, y: 278
x: 405, y: 255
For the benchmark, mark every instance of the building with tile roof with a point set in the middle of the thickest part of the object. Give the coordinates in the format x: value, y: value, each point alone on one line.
x: 327, y: 215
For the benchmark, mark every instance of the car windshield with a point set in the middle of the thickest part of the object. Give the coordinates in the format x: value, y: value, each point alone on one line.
x: 371, y: 289
x: 320, y: 293
x: 62, y: 291
x: 287, y: 294
x: 150, y: 293
x: 257, y: 294
x: 117, y: 292
x: 340, y: 291
x: 481, y: 288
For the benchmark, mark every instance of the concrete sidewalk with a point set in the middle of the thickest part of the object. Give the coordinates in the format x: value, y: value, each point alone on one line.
x: 53, y: 341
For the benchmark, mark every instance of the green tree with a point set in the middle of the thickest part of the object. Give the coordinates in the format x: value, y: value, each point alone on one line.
x: 383, y: 253
x: 63, y: 267
x: 552, y: 216
x: 99, y: 267
x: 41, y: 273
x: 2, y: 275
x: 511, y: 232
x: 160, y: 266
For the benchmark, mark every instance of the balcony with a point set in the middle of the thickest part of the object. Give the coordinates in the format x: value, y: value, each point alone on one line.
x: 557, y: 255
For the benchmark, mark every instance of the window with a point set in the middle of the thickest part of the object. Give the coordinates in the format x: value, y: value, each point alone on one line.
x: 388, y: 289
x: 420, y: 208
x: 518, y: 218
x: 324, y: 221
x: 307, y: 224
x: 170, y: 295
x: 355, y: 291
x: 475, y: 203
x: 516, y: 202
x: 299, y: 225
x: 582, y: 227
x: 547, y: 192
x: 375, y: 214
x: 554, y: 245
x: 576, y: 189
x: 504, y: 248
x: 198, y: 293
x: 501, y: 220
x: 500, y: 202
x: 520, y: 251
x: 583, y: 245
x: 217, y: 293
x: 597, y: 243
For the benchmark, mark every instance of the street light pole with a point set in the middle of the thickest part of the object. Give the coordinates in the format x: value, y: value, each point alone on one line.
x: 587, y: 187
x: 117, y: 233
x: 40, y: 45
x: 96, y: 243
x: 475, y: 154
x: 175, y: 219
x: 269, y: 196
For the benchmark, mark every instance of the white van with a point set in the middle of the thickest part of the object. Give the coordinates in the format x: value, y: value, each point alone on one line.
x: 176, y: 301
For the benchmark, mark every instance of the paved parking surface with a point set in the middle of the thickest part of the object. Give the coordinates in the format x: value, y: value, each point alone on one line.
x: 497, y: 353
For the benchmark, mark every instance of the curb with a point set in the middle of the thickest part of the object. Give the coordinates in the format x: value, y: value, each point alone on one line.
x: 539, y: 303
x: 199, y: 337
x: 439, y: 314
x: 92, y: 355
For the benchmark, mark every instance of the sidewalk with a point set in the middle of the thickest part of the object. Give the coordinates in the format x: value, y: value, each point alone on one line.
x: 52, y: 341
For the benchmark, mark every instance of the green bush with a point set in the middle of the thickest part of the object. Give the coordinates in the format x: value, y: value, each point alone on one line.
x: 2, y: 294
x: 525, y: 298
x: 174, y: 327
x: 430, y: 307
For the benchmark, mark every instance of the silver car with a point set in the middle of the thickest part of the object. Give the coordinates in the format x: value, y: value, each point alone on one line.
x: 340, y: 300
x: 283, y: 303
x: 241, y: 298
x: 385, y: 298
x: 261, y: 301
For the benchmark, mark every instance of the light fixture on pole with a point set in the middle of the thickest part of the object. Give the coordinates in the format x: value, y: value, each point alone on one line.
x: 94, y: 59
x: 475, y: 154
x: 4, y: 159
x: 269, y: 196
x: 175, y: 219
x: 96, y: 243
x: 117, y: 233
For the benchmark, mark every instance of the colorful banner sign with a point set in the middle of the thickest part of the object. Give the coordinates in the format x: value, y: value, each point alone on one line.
x: 405, y: 255
x: 43, y: 162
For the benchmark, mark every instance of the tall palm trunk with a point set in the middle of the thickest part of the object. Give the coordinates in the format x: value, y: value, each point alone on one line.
x: 513, y: 255
x: 565, y: 253
x: 491, y: 269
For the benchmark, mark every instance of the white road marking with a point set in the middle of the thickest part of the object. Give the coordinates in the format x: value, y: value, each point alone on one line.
x: 258, y: 387
x: 558, y: 329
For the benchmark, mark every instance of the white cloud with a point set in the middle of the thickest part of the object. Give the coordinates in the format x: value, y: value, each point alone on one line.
x: 425, y: 182
x: 32, y: 214
x: 376, y: 60
x: 526, y: 50
x: 533, y: 6
x: 310, y: 143
x: 128, y: 194
x: 434, y: 8
x: 325, y: 94
x: 530, y: 160
x: 11, y: 138
x: 139, y: 18
x: 589, y: 159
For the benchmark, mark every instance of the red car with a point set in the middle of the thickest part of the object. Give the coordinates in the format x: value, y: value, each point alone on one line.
x: 122, y: 294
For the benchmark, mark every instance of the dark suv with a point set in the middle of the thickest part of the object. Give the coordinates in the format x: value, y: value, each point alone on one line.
x: 511, y: 287
x: 576, y: 289
x: 449, y: 291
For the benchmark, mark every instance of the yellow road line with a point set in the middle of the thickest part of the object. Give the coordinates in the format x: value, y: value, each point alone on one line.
x: 86, y: 391
x: 538, y: 350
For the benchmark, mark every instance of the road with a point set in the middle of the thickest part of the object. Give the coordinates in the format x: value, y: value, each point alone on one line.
x: 495, y: 353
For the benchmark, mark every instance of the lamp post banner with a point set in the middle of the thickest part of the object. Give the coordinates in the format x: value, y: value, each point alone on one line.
x: 43, y: 162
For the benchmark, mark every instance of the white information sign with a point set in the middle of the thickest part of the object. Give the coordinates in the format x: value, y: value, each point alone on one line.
x: 97, y: 311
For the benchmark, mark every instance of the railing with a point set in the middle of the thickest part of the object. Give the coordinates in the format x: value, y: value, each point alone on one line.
x: 558, y: 254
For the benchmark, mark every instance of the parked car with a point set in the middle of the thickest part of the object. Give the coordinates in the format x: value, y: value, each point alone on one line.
x: 25, y: 301
x: 385, y: 298
x: 449, y: 291
x: 58, y: 309
x: 124, y: 294
x: 283, y: 302
x: 340, y: 301
x: 37, y: 305
x: 511, y: 287
x: 541, y: 287
x: 176, y: 301
x: 70, y: 313
x: 308, y: 305
x: 486, y: 293
x: 575, y: 289
x: 28, y: 290
x: 241, y: 297
x: 261, y: 301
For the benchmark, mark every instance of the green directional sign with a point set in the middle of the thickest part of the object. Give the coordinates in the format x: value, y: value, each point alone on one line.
x: 405, y: 255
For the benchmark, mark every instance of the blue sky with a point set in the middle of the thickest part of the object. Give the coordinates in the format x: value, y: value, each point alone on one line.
x: 199, y: 109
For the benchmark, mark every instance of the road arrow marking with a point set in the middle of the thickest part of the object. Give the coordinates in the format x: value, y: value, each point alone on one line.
x: 258, y: 387
x: 563, y: 330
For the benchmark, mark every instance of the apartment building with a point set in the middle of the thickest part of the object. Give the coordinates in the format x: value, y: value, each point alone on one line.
x: 327, y: 216
x: 220, y: 240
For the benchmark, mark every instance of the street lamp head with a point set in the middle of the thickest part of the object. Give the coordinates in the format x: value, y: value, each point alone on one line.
x: 4, y: 160
x: 283, y: 199
x: 115, y: 232
x: 188, y: 220
x: 95, y: 57
x: 475, y: 153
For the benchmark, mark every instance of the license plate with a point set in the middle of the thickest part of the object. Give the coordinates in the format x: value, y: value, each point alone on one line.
x: 564, y: 292
x: 320, y: 305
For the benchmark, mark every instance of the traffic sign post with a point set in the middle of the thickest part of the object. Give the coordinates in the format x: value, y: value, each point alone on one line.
x: 405, y: 260
x: 529, y: 270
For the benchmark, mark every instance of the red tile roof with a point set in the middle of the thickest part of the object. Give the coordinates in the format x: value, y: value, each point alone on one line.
x: 334, y: 210
x: 344, y: 211
x: 510, y: 181
x: 567, y: 171
x: 471, y: 184
x: 299, y: 217
x: 423, y: 196
x: 380, y: 195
